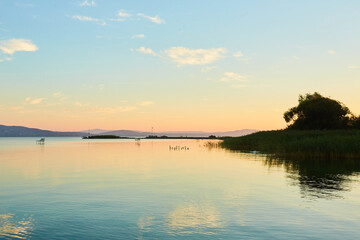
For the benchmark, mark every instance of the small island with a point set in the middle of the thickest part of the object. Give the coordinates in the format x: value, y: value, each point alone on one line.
x: 147, y: 137
x: 104, y: 137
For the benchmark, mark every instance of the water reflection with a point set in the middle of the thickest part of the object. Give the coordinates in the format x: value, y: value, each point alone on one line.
x: 121, y: 189
x: 190, y: 218
x: 11, y: 228
x: 144, y: 223
x: 318, y: 178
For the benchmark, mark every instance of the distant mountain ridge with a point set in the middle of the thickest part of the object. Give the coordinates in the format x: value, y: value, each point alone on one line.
x: 20, y: 131
x: 96, y: 131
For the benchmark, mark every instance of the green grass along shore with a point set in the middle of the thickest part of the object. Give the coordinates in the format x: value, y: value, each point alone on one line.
x: 300, y: 144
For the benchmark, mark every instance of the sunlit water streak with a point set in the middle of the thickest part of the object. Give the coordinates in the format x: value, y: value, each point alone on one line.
x: 70, y: 188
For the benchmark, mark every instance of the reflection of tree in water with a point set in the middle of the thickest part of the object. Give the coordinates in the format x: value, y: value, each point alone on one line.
x: 319, y: 178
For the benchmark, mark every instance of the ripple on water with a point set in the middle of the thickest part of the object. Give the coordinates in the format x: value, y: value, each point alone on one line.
x: 10, y: 227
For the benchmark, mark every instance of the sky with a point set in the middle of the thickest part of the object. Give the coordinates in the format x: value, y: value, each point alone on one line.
x: 173, y: 65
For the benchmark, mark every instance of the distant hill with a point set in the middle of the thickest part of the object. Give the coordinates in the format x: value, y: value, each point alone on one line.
x: 19, y: 131
x: 96, y: 131
x: 128, y: 133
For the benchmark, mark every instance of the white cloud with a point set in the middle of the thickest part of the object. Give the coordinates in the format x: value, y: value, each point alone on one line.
x: 146, y: 103
x: 146, y: 51
x: 88, y: 3
x: 238, y: 54
x: 138, y: 36
x: 352, y: 67
x: 122, y: 13
x: 233, y: 77
x: 116, y: 19
x: 332, y: 52
x: 89, y: 19
x: 208, y: 68
x: 186, y: 56
x: 155, y: 19
x: 34, y: 101
x: 15, y: 45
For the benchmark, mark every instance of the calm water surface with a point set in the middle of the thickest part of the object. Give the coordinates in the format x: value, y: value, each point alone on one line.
x: 71, y: 188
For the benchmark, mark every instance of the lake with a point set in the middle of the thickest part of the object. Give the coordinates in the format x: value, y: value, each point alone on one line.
x: 71, y: 188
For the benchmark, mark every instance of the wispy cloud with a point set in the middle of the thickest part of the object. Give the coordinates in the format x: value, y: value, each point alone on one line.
x: 238, y: 85
x: 146, y: 51
x: 112, y: 109
x: 331, y: 52
x: 34, y: 101
x: 124, y: 14
x: 146, y: 103
x: 186, y: 56
x: 352, y: 67
x: 116, y: 19
x: 236, y: 80
x: 89, y: 19
x: 79, y: 104
x: 99, y: 109
x: 87, y: 3
x: 17, y: 109
x: 6, y: 59
x: 208, y: 68
x: 15, y: 45
x: 155, y: 19
x: 57, y: 94
x: 232, y: 77
x: 238, y: 54
x: 138, y: 36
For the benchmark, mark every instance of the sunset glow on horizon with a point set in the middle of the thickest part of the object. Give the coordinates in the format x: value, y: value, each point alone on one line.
x: 173, y: 65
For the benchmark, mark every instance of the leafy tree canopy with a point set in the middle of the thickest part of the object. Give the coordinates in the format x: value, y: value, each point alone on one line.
x: 317, y: 112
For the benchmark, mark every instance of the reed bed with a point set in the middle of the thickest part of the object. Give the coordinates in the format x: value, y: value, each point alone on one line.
x: 300, y: 144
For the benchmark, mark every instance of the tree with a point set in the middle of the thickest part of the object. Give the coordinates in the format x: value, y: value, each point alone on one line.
x: 317, y: 112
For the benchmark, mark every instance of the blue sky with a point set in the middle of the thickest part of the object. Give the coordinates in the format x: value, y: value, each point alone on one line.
x: 174, y: 65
